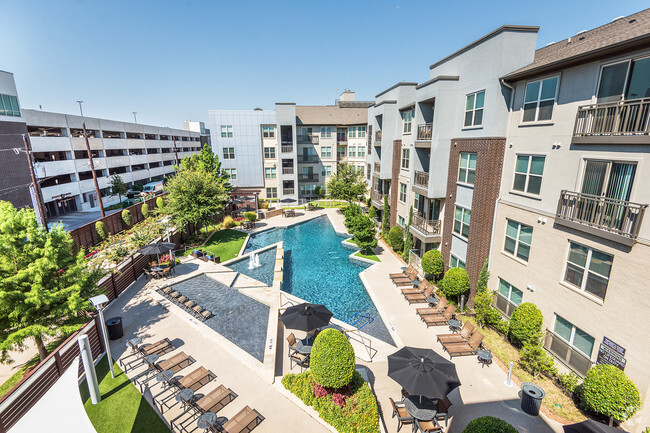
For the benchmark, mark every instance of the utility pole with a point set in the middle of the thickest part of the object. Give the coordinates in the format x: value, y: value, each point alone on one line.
x: 92, y: 169
x: 175, y: 150
x: 37, y: 187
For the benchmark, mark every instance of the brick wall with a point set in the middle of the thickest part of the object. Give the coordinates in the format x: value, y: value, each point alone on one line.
x: 489, y: 162
x: 394, y: 181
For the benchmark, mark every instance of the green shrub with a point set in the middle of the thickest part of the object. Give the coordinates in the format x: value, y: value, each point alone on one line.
x: 372, y: 213
x: 455, y: 283
x: 385, y: 218
x: 102, y: 230
x: 250, y: 216
x: 127, y: 217
x: 501, y: 325
x: 432, y: 263
x: 568, y: 381
x: 536, y: 361
x: 485, y: 312
x: 396, y: 238
x: 608, y: 391
x: 160, y: 203
x: 489, y: 424
x: 525, y: 325
x: 483, y: 277
x: 145, y: 210
x: 332, y: 359
x: 228, y: 222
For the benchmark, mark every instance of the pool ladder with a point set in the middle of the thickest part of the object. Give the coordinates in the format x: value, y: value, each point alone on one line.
x: 358, y: 320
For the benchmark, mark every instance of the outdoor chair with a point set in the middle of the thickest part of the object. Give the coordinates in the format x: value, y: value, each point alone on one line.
x: 438, y: 309
x: 197, y: 310
x: 442, y: 410
x: 160, y: 347
x: 421, y: 297
x: 189, y: 305
x: 294, y: 355
x: 182, y: 299
x: 439, y: 319
x: 215, y: 400
x: 197, y: 253
x: 196, y: 379
x: 428, y: 426
x: 243, y: 421
x: 176, y: 363
x: 410, y: 277
x: 402, y: 274
x: 461, y: 337
x: 167, y: 290
x: 403, y: 417
x: 166, y: 272
x: 206, y: 314
x: 464, y: 349
x: 174, y: 294
x: 415, y: 290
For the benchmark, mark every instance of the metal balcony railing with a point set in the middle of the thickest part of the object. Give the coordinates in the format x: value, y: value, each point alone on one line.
x: 308, y: 158
x: 625, y: 118
x: 424, y: 131
x: 377, y: 136
x: 309, y: 177
x: 429, y: 227
x: 377, y: 167
x: 378, y: 197
x: 341, y: 138
x: 421, y: 179
x: 288, y: 191
x: 309, y: 138
x: 287, y: 149
x: 287, y: 170
x: 616, y: 216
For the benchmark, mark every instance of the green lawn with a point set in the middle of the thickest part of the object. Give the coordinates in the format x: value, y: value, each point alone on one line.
x: 369, y: 256
x: 122, y: 409
x: 225, y: 244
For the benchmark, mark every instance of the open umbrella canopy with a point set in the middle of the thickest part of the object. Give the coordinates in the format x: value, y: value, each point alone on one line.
x: 288, y: 200
x: 306, y: 317
x: 590, y: 426
x: 423, y: 372
x: 246, y: 209
x: 157, y: 248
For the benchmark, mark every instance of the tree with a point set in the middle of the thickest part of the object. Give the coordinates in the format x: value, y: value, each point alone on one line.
x: 364, y: 234
x: 44, y: 283
x: 455, y: 283
x: 101, y: 229
x: 118, y: 186
x: 347, y: 183
x: 160, y: 203
x: 207, y: 161
x: 127, y: 218
x: 489, y: 424
x: 483, y: 277
x: 608, y: 391
x: 432, y: 263
x: 318, y: 191
x: 372, y: 212
x: 385, y: 218
x: 332, y: 359
x: 525, y: 324
x: 408, y: 239
x: 396, y: 238
x: 536, y: 360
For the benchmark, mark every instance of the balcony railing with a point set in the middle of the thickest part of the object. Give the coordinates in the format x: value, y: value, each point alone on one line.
x: 429, y: 227
x: 306, y: 139
x: 611, y: 215
x: 424, y: 131
x: 308, y: 158
x: 287, y: 170
x: 287, y: 149
x: 377, y: 136
x: 377, y: 167
x: 421, y: 179
x: 342, y: 138
x: 309, y: 177
x: 628, y: 118
x: 288, y: 191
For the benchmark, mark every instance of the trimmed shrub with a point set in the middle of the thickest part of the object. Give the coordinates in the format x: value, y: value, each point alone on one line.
x: 332, y: 359
x: 228, y: 222
x: 160, y: 203
x: 608, y: 391
x: 536, y: 361
x: 568, y: 381
x: 396, y: 238
x: 455, y: 283
x: 127, y: 217
x: 485, y: 313
x: 385, y: 218
x: 483, y: 277
x: 432, y: 263
x: 372, y: 213
x: 145, y: 210
x: 102, y: 230
x: 525, y: 325
x: 250, y: 216
x: 489, y: 424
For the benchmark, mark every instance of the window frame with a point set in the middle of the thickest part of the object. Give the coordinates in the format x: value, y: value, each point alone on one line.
x: 539, y: 99
x: 232, y: 173
x: 571, y: 340
x: 326, y: 170
x: 452, y: 258
x: 401, y: 221
x: 270, y: 173
x: 405, y: 160
x: 325, y: 154
x: 467, y: 169
x: 227, y: 133
x: 403, y: 191
x: 586, y: 270
x: 510, y: 289
x: 361, y: 151
x: 326, y: 132
x: 268, y: 131
x: 517, y: 241
x: 228, y: 152
x: 627, y: 75
x: 273, y: 190
x: 462, y: 221
x: 528, y: 175
x: 407, y: 121
x: 269, y: 152
x: 473, y: 110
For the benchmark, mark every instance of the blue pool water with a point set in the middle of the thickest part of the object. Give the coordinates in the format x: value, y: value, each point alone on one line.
x: 317, y: 269
x: 264, y: 273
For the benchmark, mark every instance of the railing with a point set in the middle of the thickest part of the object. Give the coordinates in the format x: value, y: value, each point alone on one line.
x: 415, y: 260
x: 288, y: 191
x: 287, y: 149
x: 609, y: 214
x: 566, y: 353
x: 624, y: 118
x: 287, y: 170
x: 308, y: 158
x: 310, y: 177
x: 378, y: 197
x: 377, y: 167
x: 377, y: 136
x: 424, y: 131
x: 504, y: 305
x: 420, y: 178
x: 341, y: 138
x: 313, y: 139
x: 429, y: 227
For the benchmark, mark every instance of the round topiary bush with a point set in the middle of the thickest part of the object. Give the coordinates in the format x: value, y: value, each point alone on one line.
x: 332, y: 359
x: 145, y: 210
x: 250, y: 216
x: 489, y: 424
x: 455, y: 283
x: 160, y: 203
x: 101, y: 229
x: 127, y: 217
x: 396, y: 238
x: 608, y: 391
x: 525, y: 325
x: 432, y: 263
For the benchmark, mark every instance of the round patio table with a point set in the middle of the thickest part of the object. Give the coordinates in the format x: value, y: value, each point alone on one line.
x: 133, y: 344
x: 416, y: 283
x: 207, y: 420
x: 454, y: 325
x: 151, y: 359
x: 184, y: 396
x: 420, y: 407
x: 484, y: 357
x: 433, y: 301
x: 164, y: 377
x: 305, y: 349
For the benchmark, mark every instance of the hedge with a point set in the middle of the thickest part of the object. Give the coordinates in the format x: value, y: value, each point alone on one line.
x: 332, y: 359
x: 489, y: 424
x: 608, y: 391
x: 145, y: 210
x: 160, y: 203
x: 525, y: 325
x: 396, y: 238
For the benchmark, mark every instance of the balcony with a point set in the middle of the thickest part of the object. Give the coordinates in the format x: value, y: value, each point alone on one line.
x: 341, y: 138
x: 377, y: 167
x: 624, y: 122
x: 308, y: 139
x: 287, y: 170
x: 616, y: 220
x: 286, y: 149
x: 377, y: 136
x: 421, y: 180
x: 288, y: 191
x: 378, y: 199
x: 424, y: 135
x: 308, y: 177
x: 426, y: 230
x: 308, y: 158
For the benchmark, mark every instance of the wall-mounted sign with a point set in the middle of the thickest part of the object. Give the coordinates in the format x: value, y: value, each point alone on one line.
x: 611, y: 353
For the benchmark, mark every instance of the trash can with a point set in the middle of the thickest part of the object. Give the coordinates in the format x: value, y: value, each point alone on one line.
x: 531, y: 398
x: 114, y: 328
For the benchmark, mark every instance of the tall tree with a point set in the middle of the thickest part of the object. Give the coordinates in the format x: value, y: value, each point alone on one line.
x: 385, y: 218
x: 408, y: 239
x: 118, y: 186
x: 347, y: 184
x: 44, y: 282
x: 207, y: 161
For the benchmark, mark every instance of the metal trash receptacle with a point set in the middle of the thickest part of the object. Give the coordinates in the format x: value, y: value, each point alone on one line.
x: 531, y: 398
x: 114, y: 328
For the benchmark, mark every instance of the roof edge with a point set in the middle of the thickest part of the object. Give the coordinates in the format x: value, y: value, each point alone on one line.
x: 438, y: 78
x: 401, y: 83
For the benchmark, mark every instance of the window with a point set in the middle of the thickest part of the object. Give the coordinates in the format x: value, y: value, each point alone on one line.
x: 416, y: 202
x: 268, y: 131
x: 539, y: 99
x: 226, y: 131
x: 341, y: 134
x: 402, y: 192
x: 401, y: 221
x: 269, y: 152
x: 406, y: 154
x: 474, y: 108
x: 341, y: 151
x: 467, y: 168
x: 326, y: 152
x: 625, y: 80
x: 408, y: 121
x: 573, y: 335
x: 518, y: 239
x: 307, y: 189
x: 528, y: 173
x: 510, y: 292
x: 326, y: 132
x: 461, y: 221
x: 270, y: 172
x: 271, y: 193
x: 326, y: 170
x: 361, y: 151
x: 352, y: 152
x: 356, y: 132
x: 9, y: 106
x: 232, y: 173
x: 588, y: 269
x: 455, y: 262
x: 228, y: 153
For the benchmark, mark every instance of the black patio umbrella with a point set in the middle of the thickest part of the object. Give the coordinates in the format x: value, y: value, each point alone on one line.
x: 288, y: 200
x: 423, y: 372
x: 247, y: 209
x: 306, y: 317
x: 590, y: 426
x: 157, y: 248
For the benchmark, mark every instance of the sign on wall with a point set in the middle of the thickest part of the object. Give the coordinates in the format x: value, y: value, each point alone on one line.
x: 611, y: 353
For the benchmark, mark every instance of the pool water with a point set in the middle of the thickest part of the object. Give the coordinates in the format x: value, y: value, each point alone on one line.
x: 317, y: 269
x: 264, y: 273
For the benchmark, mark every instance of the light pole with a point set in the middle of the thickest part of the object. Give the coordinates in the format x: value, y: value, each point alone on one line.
x: 135, y: 119
x: 81, y: 109
x: 100, y: 302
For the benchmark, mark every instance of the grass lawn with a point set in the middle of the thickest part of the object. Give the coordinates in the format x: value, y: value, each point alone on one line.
x: 224, y: 243
x: 122, y: 409
x: 369, y: 256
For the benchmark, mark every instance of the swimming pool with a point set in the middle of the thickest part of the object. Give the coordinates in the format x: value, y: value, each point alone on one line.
x: 317, y: 269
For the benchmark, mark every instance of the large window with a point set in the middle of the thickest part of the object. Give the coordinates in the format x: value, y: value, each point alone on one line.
x: 357, y: 132
x: 232, y: 173
x: 408, y: 121
x: 341, y: 134
x: 9, y: 106
x: 406, y: 155
x: 461, y: 221
x: 625, y: 80
x: 474, y: 108
x: 528, y: 173
x: 270, y: 172
x: 401, y: 221
x: 540, y: 99
x: 228, y: 153
x: 272, y: 192
x: 326, y: 152
x: 268, y: 131
x: 518, y: 239
x: 352, y: 152
x: 455, y: 262
x: 326, y: 171
x: 361, y: 151
x: 588, y: 269
x: 573, y: 335
x: 326, y: 132
x: 402, y: 192
x: 226, y: 131
x: 508, y: 297
x: 467, y: 168
x: 269, y: 152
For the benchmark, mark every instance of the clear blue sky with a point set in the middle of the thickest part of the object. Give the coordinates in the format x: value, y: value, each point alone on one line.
x: 174, y: 60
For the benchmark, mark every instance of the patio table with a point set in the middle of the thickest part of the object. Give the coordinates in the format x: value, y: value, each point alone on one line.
x: 454, y: 325
x: 433, y: 301
x: 484, y: 357
x: 133, y: 344
x: 184, y: 396
x: 303, y: 348
x: 164, y: 377
x: 420, y: 407
x: 416, y: 283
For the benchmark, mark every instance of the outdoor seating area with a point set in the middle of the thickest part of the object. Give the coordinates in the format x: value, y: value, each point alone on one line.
x: 186, y: 304
x: 288, y: 213
x: 206, y: 256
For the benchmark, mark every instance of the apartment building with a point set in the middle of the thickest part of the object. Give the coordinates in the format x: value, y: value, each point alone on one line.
x: 190, y: 125
x: 138, y: 153
x: 569, y: 231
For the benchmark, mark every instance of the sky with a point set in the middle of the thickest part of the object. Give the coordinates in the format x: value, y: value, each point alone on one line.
x: 174, y: 60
